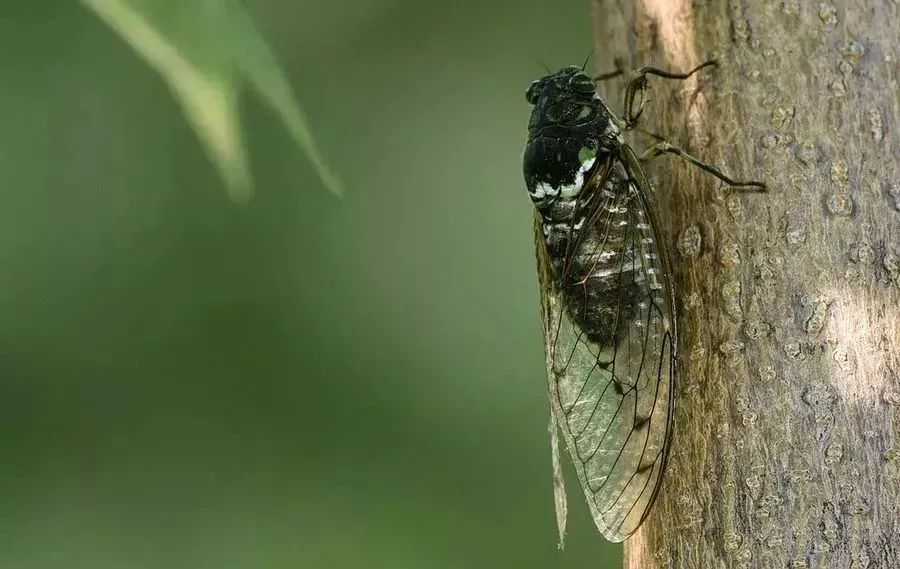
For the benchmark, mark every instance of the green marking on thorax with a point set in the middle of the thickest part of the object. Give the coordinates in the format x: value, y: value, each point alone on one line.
x: 586, y: 154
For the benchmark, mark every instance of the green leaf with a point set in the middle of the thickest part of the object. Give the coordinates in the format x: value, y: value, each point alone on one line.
x: 206, y: 51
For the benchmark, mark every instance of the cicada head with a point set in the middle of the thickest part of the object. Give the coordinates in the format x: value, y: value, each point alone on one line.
x: 564, y: 134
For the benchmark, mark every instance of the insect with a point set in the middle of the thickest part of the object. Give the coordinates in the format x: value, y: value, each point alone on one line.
x: 607, y: 296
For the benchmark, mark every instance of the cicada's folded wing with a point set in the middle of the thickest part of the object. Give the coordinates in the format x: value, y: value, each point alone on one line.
x: 612, y: 396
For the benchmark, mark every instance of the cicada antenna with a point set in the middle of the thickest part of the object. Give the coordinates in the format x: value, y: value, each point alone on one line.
x: 588, y: 58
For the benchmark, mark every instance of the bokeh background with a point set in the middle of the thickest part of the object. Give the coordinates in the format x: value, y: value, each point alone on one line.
x: 301, y: 381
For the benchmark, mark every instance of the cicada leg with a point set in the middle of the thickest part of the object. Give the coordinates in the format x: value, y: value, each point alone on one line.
x: 664, y: 147
x: 635, y: 90
x: 637, y: 86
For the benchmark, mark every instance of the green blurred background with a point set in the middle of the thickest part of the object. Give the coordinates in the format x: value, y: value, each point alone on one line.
x: 302, y: 381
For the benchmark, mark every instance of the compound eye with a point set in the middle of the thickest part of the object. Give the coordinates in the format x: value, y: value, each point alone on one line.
x: 534, y: 91
x: 581, y: 83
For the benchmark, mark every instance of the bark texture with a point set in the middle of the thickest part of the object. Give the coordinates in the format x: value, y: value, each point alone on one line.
x: 787, y: 438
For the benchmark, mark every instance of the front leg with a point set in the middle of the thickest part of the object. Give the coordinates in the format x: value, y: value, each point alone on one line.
x: 638, y: 85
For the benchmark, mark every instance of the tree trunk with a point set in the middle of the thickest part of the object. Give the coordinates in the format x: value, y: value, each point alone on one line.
x: 786, y: 450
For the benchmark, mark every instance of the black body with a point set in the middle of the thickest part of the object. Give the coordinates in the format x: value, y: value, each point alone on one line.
x: 566, y: 119
x: 607, y: 300
x: 568, y: 125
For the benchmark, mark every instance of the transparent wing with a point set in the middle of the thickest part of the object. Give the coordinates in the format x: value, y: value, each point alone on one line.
x: 613, y: 396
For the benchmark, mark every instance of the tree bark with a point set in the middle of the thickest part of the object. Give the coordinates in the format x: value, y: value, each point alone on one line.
x: 786, y: 450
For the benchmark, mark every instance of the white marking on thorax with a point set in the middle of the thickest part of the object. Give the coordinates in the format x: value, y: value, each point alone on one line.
x: 543, y: 189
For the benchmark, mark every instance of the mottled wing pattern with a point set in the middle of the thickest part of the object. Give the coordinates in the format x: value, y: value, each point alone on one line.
x: 614, y: 402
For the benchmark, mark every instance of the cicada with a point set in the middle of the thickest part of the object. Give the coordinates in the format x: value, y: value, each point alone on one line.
x: 607, y: 295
